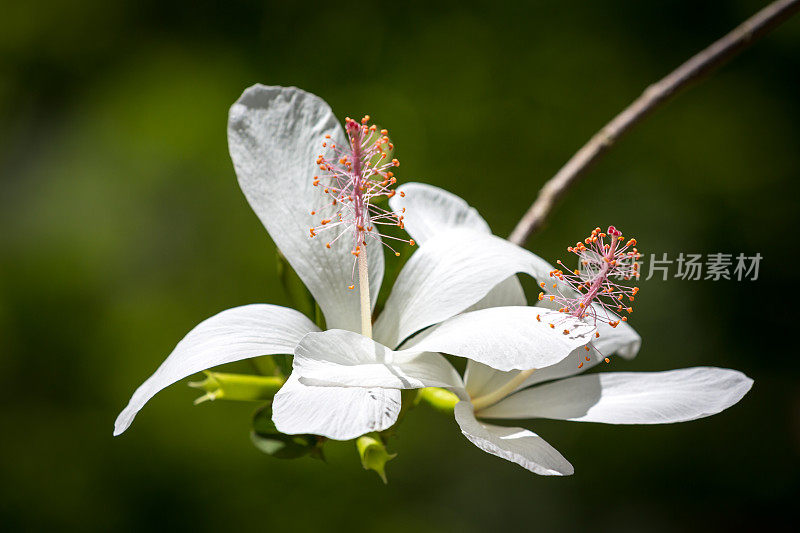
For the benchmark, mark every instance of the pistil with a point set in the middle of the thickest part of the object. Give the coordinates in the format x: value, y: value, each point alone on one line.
x: 351, y: 178
x: 363, y: 289
x: 601, y: 262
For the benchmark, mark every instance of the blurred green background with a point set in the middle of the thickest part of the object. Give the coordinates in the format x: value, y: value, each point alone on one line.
x: 123, y: 226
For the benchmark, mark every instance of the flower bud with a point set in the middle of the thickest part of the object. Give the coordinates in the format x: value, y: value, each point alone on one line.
x: 373, y: 454
x: 440, y: 399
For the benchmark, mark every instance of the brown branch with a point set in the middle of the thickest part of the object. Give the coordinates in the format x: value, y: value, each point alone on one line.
x: 715, y: 55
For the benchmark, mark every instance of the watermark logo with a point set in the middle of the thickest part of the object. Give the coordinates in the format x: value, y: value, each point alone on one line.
x: 695, y: 267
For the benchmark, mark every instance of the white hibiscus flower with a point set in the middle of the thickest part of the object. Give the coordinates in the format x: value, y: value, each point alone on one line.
x: 275, y: 135
x: 551, y: 391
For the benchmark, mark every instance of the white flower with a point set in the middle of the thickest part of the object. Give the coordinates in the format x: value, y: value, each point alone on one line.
x: 274, y: 136
x: 553, y: 391
x: 608, y: 397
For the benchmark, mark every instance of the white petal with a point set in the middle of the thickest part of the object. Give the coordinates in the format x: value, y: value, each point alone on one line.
x: 338, y: 357
x: 448, y: 274
x: 232, y: 335
x: 622, y: 340
x: 431, y: 210
x: 518, y: 445
x: 629, y: 397
x: 506, y: 293
x: 340, y: 413
x: 275, y: 135
x: 480, y: 379
x: 508, y: 338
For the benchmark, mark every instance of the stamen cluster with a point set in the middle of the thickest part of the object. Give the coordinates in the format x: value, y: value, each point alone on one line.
x: 351, y: 177
x: 603, y: 261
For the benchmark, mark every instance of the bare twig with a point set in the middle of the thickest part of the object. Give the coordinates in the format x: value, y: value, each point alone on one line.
x: 715, y: 55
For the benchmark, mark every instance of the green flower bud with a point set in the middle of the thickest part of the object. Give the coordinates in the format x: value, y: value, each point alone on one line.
x: 242, y: 387
x: 440, y: 399
x: 373, y: 454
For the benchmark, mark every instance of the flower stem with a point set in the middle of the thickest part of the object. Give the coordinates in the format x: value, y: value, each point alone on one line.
x: 498, y: 394
x: 363, y: 288
x: 653, y: 97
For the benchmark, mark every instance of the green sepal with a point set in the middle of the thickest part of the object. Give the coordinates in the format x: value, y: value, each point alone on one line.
x: 299, y: 296
x: 239, y: 387
x: 442, y: 400
x: 266, y: 437
x: 301, y: 299
x: 284, y: 364
x: 319, y: 318
x: 373, y: 454
x: 265, y: 365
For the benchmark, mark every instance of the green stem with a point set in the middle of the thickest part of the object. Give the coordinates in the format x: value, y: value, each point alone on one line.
x: 241, y: 387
